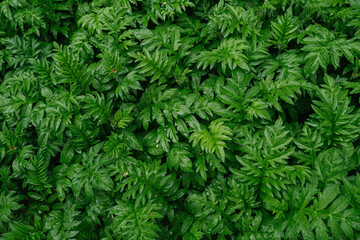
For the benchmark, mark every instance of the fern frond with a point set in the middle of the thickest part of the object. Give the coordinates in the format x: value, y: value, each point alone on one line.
x: 334, y: 116
x: 284, y: 30
x: 20, y: 230
x: 230, y: 19
x: 134, y: 221
x: 265, y: 161
x: 156, y: 64
x: 97, y: 107
x: 69, y: 68
x: 67, y: 217
x: 327, y: 207
x: 8, y: 204
x: 229, y: 54
x: 179, y: 156
x: 212, y: 139
x: 123, y: 116
x: 38, y: 172
x: 114, y: 146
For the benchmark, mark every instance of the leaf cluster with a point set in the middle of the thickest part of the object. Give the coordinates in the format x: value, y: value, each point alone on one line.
x: 179, y: 119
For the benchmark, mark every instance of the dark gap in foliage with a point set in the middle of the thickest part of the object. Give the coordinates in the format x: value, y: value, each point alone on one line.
x: 354, y: 172
x: 303, y: 105
x: 273, y: 50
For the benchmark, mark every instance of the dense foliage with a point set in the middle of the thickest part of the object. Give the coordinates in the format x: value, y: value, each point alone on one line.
x: 179, y: 119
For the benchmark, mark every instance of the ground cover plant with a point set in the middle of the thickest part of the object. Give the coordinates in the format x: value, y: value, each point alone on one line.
x: 179, y: 119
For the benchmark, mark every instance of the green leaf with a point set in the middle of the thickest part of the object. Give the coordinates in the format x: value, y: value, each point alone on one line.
x: 67, y: 154
x: 212, y: 140
x: 229, y: 54
x: 179, y: 156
